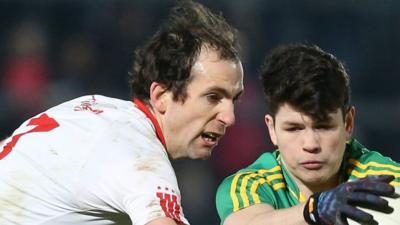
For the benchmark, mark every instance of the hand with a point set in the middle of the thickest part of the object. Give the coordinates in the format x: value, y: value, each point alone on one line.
x: 336, y: 205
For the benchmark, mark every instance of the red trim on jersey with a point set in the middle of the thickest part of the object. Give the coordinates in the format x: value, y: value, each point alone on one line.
x: 153, y: 119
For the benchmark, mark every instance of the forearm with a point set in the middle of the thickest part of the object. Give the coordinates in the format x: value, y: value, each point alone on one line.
x: 289, y: 216
x: 328, y: 207
x: 262, y: 214
x: 163, y: 221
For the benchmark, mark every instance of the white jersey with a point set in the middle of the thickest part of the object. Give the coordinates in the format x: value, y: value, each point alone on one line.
x: 94, y: 161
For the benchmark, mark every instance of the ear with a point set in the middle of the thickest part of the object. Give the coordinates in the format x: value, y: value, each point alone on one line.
x: 269, y: 121
x: 349, y: 122
x: 158, y: 93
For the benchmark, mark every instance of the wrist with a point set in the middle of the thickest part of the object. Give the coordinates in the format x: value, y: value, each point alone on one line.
x: 310, y: 211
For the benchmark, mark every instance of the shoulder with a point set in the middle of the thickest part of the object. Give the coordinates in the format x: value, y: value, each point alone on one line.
x: 362, y: 162
x: 94, y: 105
x: 242, y: 189
x: 265, y: 165
x: 97, y: 113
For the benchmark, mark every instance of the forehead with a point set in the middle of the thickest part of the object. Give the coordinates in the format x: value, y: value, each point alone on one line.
x: 288, y: 114
x: 209, y: 70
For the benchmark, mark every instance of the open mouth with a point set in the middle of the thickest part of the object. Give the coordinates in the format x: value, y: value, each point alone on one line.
x: 210, y: 137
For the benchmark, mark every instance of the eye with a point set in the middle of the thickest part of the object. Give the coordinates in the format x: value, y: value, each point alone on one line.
x: 293, y: 129
x: 324, y: 127
x: 213, y: 98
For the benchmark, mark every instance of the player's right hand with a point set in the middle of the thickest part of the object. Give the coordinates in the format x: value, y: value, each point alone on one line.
x: 336, y: 205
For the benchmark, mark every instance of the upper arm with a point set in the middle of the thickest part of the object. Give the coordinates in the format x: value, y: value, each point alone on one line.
x: 139, y: 180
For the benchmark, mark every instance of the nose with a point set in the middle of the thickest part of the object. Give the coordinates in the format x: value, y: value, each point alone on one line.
x: 311, y: 141
x: 227, y: 115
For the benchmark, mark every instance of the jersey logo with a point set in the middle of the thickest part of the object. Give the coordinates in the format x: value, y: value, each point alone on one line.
x: 169, y: 203
x: 88, y: 105
x: 43, y: 123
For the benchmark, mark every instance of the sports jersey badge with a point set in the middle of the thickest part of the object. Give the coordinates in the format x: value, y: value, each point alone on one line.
x: 169, y: 203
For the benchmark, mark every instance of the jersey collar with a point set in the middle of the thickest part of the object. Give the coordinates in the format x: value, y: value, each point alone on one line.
x: 153, y: 120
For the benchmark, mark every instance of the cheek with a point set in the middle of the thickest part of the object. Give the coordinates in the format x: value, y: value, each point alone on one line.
x: 289, y: 151
x: 179, y: 119
x: 190, y: 120
x: 288, y: 142
x: 282, y: 138
x: 335, y: 147
x: 336, y: 141
x: 184, y: 113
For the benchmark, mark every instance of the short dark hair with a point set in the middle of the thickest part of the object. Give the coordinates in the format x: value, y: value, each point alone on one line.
x: 307, y: 78
x: 169, y: 55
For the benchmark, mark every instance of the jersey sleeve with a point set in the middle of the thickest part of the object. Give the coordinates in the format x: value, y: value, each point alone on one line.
x: 129, y: 172
x: 154, y: 196
x: 365, y: 162
x: 242, y: 190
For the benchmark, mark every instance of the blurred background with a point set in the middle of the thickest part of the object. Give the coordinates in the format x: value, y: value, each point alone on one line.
x: 53, y: 51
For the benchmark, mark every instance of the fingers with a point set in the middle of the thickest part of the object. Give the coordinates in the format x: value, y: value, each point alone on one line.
x: 366, y: 199
x: 356, y: 215
x: 375, y: 185
x: 380, y: 178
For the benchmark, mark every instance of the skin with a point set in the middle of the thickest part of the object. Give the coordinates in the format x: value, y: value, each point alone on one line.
x: 215, y: 86
x: 311, y: 152
x: 163, y: 221
x: 208, y: 108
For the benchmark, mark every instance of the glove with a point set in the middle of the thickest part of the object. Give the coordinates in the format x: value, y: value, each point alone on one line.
x: 336, y: 205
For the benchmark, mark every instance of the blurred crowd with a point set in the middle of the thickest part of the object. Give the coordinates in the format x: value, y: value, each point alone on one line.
x: 53, y: 51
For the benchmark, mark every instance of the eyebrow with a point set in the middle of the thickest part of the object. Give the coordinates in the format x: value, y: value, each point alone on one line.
x: 287, y: 123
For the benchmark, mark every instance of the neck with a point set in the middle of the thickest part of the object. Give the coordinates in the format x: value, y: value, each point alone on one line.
x: 307, y: 189
x: 154, y: 118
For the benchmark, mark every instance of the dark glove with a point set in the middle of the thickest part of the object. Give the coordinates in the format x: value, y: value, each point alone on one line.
x: 336, y: 205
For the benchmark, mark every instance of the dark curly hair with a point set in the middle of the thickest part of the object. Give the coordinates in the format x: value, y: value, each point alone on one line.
x: 309, y: 79
x: 169, y: 55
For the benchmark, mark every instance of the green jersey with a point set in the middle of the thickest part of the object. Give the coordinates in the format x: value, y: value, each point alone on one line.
x: 268, y: 181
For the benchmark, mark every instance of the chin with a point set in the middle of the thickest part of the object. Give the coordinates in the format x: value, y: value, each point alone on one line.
x: 201, y: 154
x: 311, y: 179
x: 320, y: 183
x: 314, y: 178
x: 205, y: 156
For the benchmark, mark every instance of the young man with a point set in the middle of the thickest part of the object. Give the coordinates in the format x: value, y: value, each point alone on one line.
x: 311, y: 123
x: 97, y: 160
